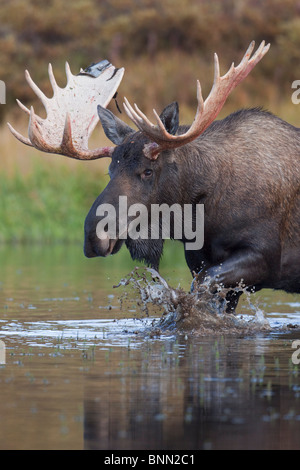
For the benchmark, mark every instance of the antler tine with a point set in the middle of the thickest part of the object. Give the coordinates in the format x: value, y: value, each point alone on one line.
x: 199, y: 96
x: 35, y: 133
x: 68, y: 72
x: 23, y: 107
x: 144, y: 124
x: 131, y: 113
x: 36, y: 89
x: 160, y: 123
x: 142, y: 117
x: 52, y: 79
x: 249, y: 51
x: 200, y: 106
x: 216, y: 68
x: 19, y: 136
x: 259, y: 50
x: 207, y: 110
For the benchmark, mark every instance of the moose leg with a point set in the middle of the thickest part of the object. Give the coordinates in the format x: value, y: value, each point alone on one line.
x: 232, y: 299
x: 244, y: 268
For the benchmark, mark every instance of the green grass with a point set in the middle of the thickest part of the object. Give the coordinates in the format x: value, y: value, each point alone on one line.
x: 48, y: 204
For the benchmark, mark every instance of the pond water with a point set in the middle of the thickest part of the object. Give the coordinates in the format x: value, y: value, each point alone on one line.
x: 79, y: 372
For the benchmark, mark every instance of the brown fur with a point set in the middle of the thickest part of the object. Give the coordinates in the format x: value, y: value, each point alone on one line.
x: 245, y: 169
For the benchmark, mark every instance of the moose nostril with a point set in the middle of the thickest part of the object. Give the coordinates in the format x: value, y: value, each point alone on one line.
x: 96, y: 247
x: 89, y: 248
x: 89, y: 251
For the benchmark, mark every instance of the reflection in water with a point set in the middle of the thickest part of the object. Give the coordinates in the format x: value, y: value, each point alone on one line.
x: 218, y: 393
x: 81, y: 373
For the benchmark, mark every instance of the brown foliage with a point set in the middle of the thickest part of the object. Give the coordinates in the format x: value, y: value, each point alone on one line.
x: 164, y: 46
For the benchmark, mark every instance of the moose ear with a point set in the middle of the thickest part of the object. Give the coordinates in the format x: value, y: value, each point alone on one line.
x: 115, y: 129
x: 170, y: 117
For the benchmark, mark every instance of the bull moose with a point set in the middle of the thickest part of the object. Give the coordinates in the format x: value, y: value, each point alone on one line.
x: 245, y: 169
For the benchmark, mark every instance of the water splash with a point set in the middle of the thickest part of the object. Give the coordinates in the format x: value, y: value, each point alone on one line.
x: 200, y: 313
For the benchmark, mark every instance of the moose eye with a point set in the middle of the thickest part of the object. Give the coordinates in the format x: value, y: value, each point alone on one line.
x: 147, y: 173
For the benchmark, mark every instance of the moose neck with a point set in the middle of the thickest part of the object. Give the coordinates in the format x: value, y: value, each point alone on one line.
x: 199, y: 171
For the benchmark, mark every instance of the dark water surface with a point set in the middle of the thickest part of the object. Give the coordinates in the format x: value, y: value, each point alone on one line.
x: 80, y: 373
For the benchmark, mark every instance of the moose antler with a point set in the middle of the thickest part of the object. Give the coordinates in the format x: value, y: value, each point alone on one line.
x: 207, y: 110
x: 71, y: 113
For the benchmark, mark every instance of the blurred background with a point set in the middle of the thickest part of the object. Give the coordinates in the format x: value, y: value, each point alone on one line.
x: 164, y: 47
